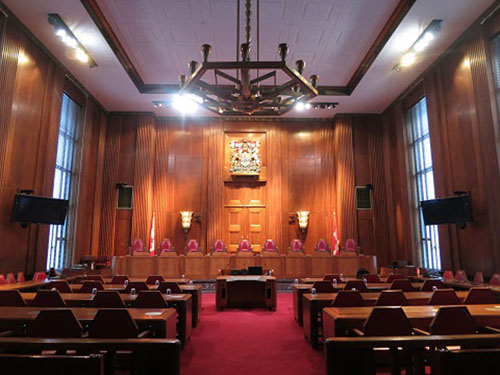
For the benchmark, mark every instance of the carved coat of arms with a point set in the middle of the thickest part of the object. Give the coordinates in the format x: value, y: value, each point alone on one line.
x: 245, y: 157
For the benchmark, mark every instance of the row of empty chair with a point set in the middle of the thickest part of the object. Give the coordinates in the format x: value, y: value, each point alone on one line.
x: 12, y: 279
x: 461, y: 276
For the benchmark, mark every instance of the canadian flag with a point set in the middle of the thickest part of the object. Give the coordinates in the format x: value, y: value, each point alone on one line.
x: 336, y: 241
x: 152, y: 237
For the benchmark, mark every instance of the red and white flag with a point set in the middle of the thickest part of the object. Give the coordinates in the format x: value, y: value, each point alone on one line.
x: 336, y: 241
x: 152, y: 237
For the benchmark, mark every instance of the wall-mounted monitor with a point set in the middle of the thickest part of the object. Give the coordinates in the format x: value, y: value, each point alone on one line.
x: 39, y: 210
x: 452, y: 210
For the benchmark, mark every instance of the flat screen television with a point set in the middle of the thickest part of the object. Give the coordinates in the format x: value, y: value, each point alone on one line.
x: 452, y: 210
x: 39, y: 210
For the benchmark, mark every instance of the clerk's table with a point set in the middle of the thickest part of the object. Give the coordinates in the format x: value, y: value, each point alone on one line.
x: 245, y: 291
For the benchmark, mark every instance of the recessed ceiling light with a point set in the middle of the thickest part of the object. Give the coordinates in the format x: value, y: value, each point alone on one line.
x: 408, y: 59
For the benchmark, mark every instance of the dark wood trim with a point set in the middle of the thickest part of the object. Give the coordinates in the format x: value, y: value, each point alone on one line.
x: 414, y: 96
x: 153, y: 88
x: 74, y: 92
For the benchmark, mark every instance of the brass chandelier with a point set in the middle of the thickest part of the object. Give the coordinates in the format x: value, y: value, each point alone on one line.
x: 251, y: 87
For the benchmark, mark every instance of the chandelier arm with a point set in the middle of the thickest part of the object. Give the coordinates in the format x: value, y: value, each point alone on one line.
x: 227, y: 76
x: 278, y: 90
x: 263, y: 78
x: 213, y: 90
x: 245, y: 83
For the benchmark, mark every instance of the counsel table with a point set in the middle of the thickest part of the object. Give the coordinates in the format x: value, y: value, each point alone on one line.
x: 339, y: 321
x: 245, y: 291
x: 313, y: 304
x: 162, y: 321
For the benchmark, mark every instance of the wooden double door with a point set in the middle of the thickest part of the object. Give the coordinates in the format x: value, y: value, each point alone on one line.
x: 244, y: 216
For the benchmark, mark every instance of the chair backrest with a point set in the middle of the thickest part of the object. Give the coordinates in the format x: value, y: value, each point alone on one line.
x: 11, y: 279
x: 137, y: 245
x: 244, y: 246
x: 447, y: 275
x: 444, y: 297
x: 428, y: 285
x: 60, y: 323
x: 39, y: 276
x: 478, y: 278
x: 61, y: 285
x: 11, y: 298
x: 113, y: 323
x: 371, y: 278
x: 48, y: 298
x: 192, y: 246
x: 324, y: 287
x: 151, y: 280
x: 453, y: 320
x: 20, y: 277
x: 330, y: 277
x: 166, y: 246
x: 119, y: 279
x: 87, y: 286
x: 356, y: 284
x: 219, y: 247
x: 394, y: 276
x: 349, y: 298
x: 107, y: 299
x: 351, y: 245
x: 392, y: 298
x: 480, y: 296
x: 402, y: 284
x: 460, y: 275
x: 139, y: 286
x: 322, y: 246
x: 297, y: 246
x: 387, y: 321
x: 174, y: 287
x: 3, y: 281
x: 94, y: 278
x: 495, y: 279
x: 152, y: 299
x: 270, y: 246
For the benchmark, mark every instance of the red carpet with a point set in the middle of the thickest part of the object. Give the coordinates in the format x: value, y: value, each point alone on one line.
x: 250, y: 342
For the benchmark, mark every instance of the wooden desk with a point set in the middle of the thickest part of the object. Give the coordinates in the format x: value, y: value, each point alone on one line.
x: 246, y: 291
x: 162, y: 321
x: 339, y: 321
x: 26, y: 285
x: 313, y: 305
x: 178, y: 280
x: 300, y: 289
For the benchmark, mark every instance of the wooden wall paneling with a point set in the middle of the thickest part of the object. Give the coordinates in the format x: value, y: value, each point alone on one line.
x: 161, y: 184
x: 288, y: 230
x: 276, y: 157
x: 143, y: 178
x: 327, y: 178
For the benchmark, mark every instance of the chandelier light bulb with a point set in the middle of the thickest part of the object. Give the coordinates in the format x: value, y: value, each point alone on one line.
x: 81, y: 55
x: 186, y: 104
x: 408, y: 59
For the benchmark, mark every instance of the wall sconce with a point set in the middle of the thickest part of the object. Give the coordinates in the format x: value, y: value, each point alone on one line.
x: 186, y: 217
x: 303, y: 217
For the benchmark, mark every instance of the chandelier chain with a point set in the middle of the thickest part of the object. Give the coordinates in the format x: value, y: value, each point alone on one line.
x: 248, y: 14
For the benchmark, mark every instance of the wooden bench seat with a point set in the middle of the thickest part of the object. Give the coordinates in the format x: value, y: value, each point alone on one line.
x: 52, y: 364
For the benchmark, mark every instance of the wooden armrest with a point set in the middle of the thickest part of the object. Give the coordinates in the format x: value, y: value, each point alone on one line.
x: 421, y: 332
x: 358, y: 332
x: 144, y: 334
x: 8, y: 333
x: 488, y: 329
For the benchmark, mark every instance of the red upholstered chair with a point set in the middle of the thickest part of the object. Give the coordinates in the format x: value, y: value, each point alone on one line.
x: 152, y: 299
x: 480, y: 296
x: 324, y: 287
x: 349, y: 298
x: 119, y: 279
x: 20, y: 277
x: 151, y: 280
x: 453, y: 320
x: 331, y: 277
x: 448, y: 275
x: 11, y: 298
x: 478, y: 278
x: 48, y: 298
x: 2, y: 280
x: 174, y: 287
x: 350, y: 245
x: 39, y: 276
x: 356, y: 284
x: 270, y: 246
x: 94, y: 278
x: 428, y: 285
x: 495, y: 279
x: 113, y: 323
x: 387, y: 321
x: 402, y: 284
x: 88, y: 286
x: 244, y: 246
x: 61, y: 285
x: 166, y: 246
x: 392, y: 298
x: 444, y: 297
x: 460, y: 275
x: 297, y: 246
x: 139, y: 286
x: 192, y: 246
x: 11, y: 279
x: 394, y: 276
x: 322, y: 246
x: 55, y: 324
x: 219, y: 247
x: 107, y: 299
x: 372, y: 278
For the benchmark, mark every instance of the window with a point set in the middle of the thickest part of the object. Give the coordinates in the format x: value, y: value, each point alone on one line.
x: 363, y: 198
x: 424, y: 181
x: 495, y: 56
x: 58, y: 249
